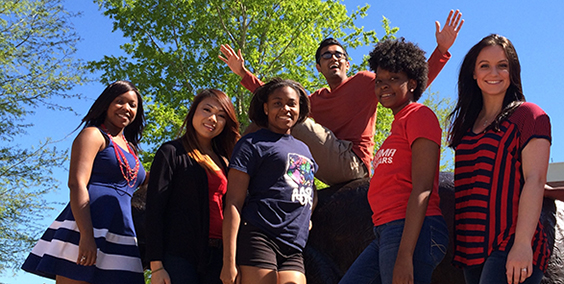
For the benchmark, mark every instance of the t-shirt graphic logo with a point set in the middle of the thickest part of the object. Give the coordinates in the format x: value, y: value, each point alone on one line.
x: 300, y: 171
x: 384, y: 156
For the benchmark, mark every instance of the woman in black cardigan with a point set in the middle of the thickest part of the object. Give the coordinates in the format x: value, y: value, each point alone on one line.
x: 185, y: 194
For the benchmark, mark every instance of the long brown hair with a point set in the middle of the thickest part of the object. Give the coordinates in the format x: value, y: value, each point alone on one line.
x: 223, y: 143
x: 470, y: 100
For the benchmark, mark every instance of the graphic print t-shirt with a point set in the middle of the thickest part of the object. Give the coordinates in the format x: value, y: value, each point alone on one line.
x: 280, y: 194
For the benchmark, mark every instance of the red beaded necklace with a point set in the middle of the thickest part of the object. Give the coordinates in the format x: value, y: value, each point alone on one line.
x: 129, y: 174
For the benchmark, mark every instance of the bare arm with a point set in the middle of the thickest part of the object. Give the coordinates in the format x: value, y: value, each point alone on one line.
x: 236, y: 63
x: 424, y: 159
x: 159, y: 275
x: 445, y: 40
x: 535, y: 164
x: 84, y: 150
x: 237, y: 185
x: 447, y: 36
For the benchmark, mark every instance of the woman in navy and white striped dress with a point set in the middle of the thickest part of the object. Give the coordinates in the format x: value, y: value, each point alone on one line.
x: 93, y: 240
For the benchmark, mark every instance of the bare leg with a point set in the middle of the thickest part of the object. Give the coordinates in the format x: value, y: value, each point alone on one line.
x: 257, y: 275
x: 291, y: 277
x: 64, y: 280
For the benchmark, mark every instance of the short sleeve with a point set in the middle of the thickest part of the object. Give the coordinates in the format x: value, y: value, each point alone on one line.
x: 244, y: 156
x: 423, y: 123
x: 532, y: 122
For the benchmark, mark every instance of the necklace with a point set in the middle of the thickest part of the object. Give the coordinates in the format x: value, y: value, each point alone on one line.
x: 128, y: 173
x: 486, y: 120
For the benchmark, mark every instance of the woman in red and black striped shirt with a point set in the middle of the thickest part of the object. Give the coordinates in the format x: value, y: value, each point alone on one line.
x: 502, y: 146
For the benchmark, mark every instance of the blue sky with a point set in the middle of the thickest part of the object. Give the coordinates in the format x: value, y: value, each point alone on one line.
x: 534, y: 27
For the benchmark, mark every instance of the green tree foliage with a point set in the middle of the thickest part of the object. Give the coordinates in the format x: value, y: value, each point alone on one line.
x: 36, y: 47
x: 174, y: 49
x: 442, y: 107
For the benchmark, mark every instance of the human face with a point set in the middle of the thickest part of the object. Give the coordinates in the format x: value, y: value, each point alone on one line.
x: 209, y: 120
x: 393, y: 89
x: 121, y: 111
x: 333, y: 66
x: 492, y: 71
x: 282, y: 110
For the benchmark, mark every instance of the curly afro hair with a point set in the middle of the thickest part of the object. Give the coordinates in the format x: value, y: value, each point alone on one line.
x: 397, y: 56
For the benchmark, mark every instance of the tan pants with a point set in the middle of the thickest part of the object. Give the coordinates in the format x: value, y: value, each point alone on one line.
x: 335, y: 158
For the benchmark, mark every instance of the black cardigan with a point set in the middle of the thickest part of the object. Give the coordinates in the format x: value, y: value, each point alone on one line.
x: 177, y: 220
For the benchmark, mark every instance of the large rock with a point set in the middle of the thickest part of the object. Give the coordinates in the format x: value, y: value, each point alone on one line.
x: 342, y: 228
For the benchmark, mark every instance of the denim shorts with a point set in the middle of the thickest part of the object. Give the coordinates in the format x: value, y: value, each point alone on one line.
x: 376, y: 263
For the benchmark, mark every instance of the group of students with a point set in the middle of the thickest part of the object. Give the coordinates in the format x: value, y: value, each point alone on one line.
x: 257, y: 232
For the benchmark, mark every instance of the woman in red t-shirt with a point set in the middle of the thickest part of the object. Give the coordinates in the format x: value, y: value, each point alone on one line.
x: 185, y: 193
x: 411, y: 233
x: 502, y: 147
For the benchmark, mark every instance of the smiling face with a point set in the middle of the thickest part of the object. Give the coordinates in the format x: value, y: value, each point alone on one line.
x: 121, y: 111
x: 333, y: 67
x: 492, y: 71
x: 209, y: 120
x: 282, y: 110
x: 393, y: 89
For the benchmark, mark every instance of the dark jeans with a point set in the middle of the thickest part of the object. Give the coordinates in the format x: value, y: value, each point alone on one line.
x: 182, y: 271
x: 493, y: 271
x: 375, y: 265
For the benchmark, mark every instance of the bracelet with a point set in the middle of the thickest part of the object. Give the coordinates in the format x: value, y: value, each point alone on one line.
x: 158, y: 269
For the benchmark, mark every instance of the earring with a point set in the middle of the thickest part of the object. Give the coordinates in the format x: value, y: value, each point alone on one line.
x: 412, y: 90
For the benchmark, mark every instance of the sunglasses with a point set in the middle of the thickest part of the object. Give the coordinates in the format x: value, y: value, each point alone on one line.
x: 338, y: 55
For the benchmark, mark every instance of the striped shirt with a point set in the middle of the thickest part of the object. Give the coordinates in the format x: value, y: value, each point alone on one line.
x: 488, y: 183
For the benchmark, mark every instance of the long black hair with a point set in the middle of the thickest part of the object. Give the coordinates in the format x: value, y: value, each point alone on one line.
x: 98, y: 111
x: 470, y: 100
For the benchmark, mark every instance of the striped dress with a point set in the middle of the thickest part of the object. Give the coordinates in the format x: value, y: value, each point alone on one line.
x: 118, y: 259
x: 488, y: 184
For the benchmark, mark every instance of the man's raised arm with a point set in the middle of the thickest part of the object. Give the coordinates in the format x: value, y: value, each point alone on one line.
x: 445, y: 39
x: 236, y: 63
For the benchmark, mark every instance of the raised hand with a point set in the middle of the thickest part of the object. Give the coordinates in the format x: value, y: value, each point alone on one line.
x: 447, y: 36
x: 234, y: 60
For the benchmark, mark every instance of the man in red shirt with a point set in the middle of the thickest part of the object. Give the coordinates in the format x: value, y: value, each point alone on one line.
x: 341, y: 134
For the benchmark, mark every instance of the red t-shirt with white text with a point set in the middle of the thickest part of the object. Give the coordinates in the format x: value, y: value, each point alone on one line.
x: 391, y: 185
